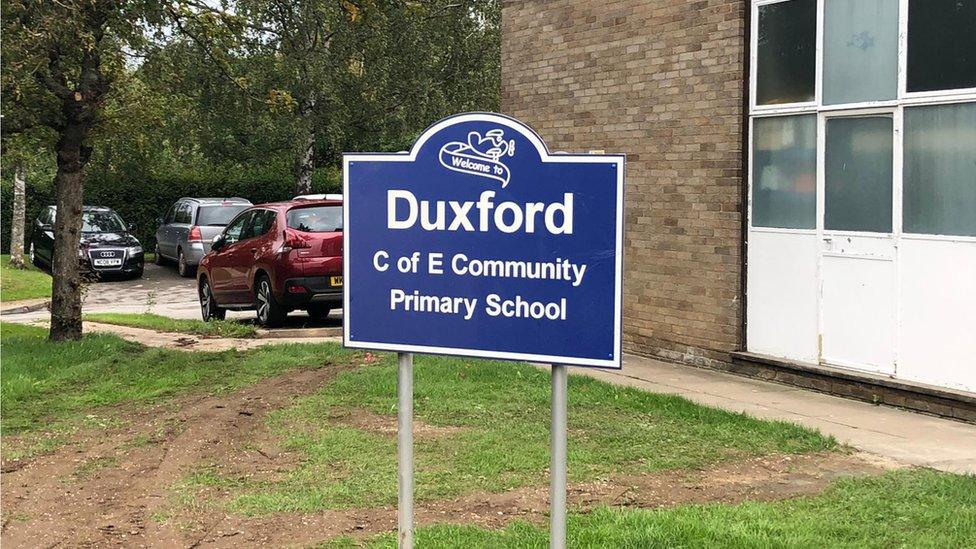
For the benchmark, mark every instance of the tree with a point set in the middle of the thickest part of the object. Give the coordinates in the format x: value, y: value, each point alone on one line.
x: 345, y: 73
x: 61, y: 59
x: 20, y: 211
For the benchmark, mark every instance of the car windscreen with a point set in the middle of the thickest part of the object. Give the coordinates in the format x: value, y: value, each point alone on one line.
x: 218, y: 216
x: 316, y: 219
x: 102, y: 222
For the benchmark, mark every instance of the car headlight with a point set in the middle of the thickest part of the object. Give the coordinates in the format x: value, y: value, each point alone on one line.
x: 133, y: 250
x: 81, y: 253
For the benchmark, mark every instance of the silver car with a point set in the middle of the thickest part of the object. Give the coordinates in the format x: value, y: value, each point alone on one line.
x: 189, y: 226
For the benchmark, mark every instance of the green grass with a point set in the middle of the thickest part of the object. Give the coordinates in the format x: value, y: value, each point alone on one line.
x: 17, y: 284
x: 149, y: 321
x: 502, y: 412
x: 44, y: 384
x: 912, y: 508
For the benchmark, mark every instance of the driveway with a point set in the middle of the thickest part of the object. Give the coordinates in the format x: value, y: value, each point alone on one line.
x: 163, y: 292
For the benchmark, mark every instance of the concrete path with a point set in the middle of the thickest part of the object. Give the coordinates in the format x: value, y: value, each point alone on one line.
x: 187, y: 342
x: 161, y: 291
x: 906, y: 437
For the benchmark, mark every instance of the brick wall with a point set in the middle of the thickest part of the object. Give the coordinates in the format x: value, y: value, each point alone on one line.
x: 662, y: 82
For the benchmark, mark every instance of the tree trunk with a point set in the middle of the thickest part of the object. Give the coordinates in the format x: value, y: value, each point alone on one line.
x: 305, y: 161
x: 67, y: 283
x: 17, y: 223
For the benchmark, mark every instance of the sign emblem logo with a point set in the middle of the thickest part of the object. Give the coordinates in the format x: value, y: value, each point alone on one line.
x: 480, y: 156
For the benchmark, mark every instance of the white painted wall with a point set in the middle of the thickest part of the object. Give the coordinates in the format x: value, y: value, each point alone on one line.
x: 932, y: 302
x: 937, y: 335
x: 781, y: 294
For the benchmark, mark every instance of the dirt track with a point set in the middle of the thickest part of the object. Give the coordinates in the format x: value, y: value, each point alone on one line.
x: 108, y: 487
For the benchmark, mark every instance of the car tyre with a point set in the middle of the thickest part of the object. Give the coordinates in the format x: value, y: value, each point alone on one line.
x: 208, y: 304
x: 319, y: 312
x: 185, y: 270
x: 270, y: 313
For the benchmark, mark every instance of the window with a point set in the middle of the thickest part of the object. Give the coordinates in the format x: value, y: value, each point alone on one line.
x: 784, y: 178
x: 318, y: 219
x: 261, y: 223
x: 941, y: 45
x: 860, y: 50
x: 171, y: 213
x: 786, y: 53
x: 184, y: 214
x: 857, y: 174
x: 216, y: 216
x: 232, y: 234
x: 940, y: 170
x: 102, y: 222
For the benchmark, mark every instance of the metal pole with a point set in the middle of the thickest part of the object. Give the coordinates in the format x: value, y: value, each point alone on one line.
x: 405, y: 449
x: 557, y: 469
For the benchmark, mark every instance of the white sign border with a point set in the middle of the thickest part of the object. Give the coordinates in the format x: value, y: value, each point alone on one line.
x: 619, y: 160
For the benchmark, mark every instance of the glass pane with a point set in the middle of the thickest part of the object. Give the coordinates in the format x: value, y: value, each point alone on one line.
x: 784, y: 172
x: 860, y: 50
x: 940, y: 170
x: 857, y: 174
x: 941, y: 44
x: 786, y: 57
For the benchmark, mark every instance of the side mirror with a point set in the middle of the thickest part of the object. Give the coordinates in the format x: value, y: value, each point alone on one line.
x: 131, y: 227
x: 217, y: 243
x: 159, y: 220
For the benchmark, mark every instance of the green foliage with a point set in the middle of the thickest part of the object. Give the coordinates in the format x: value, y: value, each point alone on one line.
x: 141, y: 201
x: 494, y: 435
x: 912, y: 508
x: 214, y: 328
x: 221, y: 103
x: 17, y: 284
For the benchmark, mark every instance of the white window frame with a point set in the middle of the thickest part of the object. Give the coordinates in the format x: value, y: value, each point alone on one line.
x: 895, y: 106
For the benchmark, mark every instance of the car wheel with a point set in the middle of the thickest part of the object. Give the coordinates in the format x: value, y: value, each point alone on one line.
x: 186, y: 271
x: 139, y: 274
x: 208, y: 304
x: 158, y: 257
x: 270, y: 313
x: 318, y: 312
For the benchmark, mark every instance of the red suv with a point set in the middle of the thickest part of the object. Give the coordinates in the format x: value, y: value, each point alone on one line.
x: 275, y: 258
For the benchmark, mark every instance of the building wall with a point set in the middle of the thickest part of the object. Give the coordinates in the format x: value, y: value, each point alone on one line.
x: 661, y: 81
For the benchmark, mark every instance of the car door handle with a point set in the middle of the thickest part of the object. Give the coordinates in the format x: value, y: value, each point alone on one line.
x: 254, y: 250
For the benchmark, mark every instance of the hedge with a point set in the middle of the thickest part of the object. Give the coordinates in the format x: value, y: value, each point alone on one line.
x: 142, y: 202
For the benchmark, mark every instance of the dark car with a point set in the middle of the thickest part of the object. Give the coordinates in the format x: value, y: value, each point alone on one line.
x: 107, y: 247
x: 185, y: 232
x: 276, y: 258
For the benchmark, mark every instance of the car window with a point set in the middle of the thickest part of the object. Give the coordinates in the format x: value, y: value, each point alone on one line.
x: 102, y: 222
x: 316, y: 219
x: 170, y: 213
x: 260, y: 224
x: 48, y: 217
x: 218, y: 216
x: 184, y: 213
x: 233, y: 232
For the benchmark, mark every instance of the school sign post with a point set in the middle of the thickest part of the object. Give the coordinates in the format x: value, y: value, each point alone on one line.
x: 480, y: 242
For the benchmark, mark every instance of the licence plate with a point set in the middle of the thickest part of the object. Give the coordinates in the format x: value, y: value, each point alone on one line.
x: 335, y: 281
x: 107, y: 262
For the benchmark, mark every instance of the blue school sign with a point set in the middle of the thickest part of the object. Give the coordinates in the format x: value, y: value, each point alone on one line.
x: 479, y: 242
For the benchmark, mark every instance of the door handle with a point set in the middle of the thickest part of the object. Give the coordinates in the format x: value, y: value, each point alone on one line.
x: 254, y: 250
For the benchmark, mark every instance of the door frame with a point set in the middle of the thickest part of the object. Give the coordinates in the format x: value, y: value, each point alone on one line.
x: 897, y: 116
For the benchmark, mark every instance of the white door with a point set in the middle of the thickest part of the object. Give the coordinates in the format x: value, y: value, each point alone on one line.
x: 857, y: 227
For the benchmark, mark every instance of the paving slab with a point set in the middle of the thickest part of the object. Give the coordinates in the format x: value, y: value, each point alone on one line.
x: 907, y: 437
